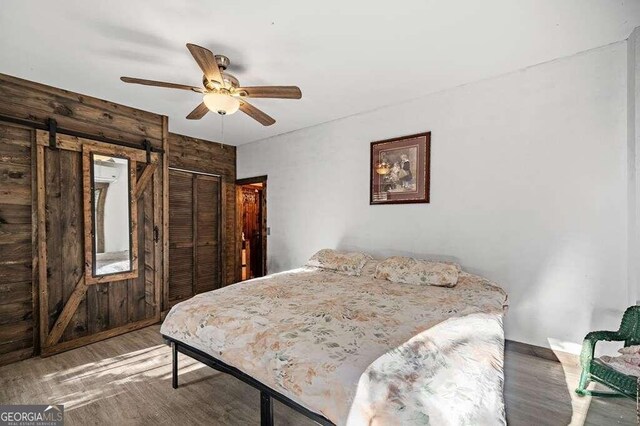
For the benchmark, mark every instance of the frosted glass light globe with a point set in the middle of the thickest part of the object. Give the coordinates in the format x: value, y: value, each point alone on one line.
x: 221, y: 103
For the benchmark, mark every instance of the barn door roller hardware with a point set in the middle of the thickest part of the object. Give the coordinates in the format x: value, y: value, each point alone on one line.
x: 53, y: 130
x: 147, y: 146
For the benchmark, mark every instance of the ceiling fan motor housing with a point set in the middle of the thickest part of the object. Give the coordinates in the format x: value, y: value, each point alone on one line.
x: 222, y: 61
x: 230, y: 81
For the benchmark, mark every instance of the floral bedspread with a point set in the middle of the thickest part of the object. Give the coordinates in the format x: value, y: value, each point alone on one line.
x: 359, y: 350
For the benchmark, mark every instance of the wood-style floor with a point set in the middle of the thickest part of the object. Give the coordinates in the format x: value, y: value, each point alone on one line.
x: 127, y: 380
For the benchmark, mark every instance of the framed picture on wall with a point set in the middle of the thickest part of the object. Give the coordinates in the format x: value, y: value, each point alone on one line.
x: 400, y: 170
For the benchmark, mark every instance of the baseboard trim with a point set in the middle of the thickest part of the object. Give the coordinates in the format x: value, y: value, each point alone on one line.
x: 538, y: 351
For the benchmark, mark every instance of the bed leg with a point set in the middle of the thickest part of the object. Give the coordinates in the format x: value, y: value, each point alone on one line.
x: 174, y: 365
x: 266, y: 409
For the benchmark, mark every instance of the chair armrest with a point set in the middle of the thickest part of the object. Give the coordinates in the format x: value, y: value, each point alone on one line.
x: 589, y: 344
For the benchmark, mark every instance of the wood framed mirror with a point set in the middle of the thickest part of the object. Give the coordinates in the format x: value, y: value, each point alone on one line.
x: 110, y: 212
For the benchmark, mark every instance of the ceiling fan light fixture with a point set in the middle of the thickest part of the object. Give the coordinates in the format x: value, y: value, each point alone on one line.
x: 221, y: 103
x: 221, y: 91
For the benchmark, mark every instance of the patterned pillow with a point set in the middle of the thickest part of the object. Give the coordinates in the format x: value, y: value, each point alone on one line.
x: 344, y: 263
x: 420, y: 272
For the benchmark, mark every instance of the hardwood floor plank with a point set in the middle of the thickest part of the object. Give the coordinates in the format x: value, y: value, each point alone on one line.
x: 127, y: 380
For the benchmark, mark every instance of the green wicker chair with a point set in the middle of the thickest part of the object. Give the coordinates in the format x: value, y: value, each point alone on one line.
x: 597, y: 371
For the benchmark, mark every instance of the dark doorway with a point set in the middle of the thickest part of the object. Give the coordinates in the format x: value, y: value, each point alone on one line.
x: 252, y: 226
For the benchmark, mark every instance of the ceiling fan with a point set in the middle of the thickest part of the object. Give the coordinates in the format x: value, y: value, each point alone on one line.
x: 222, y: 91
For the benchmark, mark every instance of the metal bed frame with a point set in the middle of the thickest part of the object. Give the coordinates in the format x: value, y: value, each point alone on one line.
x: 266, y: 393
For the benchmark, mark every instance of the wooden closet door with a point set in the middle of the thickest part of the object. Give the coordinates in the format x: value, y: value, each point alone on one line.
x: 194, y: 234
x: 207, y: 235
x: 180, y: 235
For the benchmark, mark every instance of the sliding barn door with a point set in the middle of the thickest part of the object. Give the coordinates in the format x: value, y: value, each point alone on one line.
x: 72, y: 311
x: 194, y: 234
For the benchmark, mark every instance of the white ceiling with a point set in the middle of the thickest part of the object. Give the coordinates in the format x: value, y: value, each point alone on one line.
x: 346, y: 56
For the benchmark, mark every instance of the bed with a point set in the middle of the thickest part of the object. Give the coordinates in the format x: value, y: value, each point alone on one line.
x: 354, y: 349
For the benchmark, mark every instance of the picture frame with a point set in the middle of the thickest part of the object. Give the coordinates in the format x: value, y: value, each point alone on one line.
x: 400, y: 170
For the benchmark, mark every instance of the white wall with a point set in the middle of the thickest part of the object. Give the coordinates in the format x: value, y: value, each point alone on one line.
x: 633, y: 161
x: 116, y: 212
x: 528, y: 188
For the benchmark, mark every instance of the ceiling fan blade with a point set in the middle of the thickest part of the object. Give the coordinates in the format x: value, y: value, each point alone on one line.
x: 255, y: 113
x: 199, y: 112
x: 160, y: 84
x: 281, y: 92
x: 207, y: 62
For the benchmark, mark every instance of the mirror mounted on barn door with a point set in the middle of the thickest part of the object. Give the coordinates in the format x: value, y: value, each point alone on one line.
x: 110, y: 214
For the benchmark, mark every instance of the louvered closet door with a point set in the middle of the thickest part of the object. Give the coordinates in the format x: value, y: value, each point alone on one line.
x: 180, y: 235
x: 194, y: 234
x: 207, y: 233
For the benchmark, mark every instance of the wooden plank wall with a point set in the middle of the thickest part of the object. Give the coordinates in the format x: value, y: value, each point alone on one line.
x: 34, y: 102
x: 211, y: 157
x: 16, y: 247
x: 26, y: 100
x: 37, y: 102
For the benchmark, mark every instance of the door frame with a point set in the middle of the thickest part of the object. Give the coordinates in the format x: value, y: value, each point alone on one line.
x: 263, y: 211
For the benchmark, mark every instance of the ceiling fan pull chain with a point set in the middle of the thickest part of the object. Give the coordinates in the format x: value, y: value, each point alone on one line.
x: 222, y: 131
